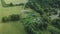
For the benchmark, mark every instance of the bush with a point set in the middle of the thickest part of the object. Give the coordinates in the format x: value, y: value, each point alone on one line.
x: 11, y: 4
x: 43, y: 26
x: 5, y: 19
x: 54, y: 31
x: 56, y: 23
x: 29, y: 30
x: 14, y: 17
x: 59, y: 15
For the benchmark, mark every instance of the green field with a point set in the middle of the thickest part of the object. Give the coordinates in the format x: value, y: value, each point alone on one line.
x: 11, y: 27
x: 39, y: 18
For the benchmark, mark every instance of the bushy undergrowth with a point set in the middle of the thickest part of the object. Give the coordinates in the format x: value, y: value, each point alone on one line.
x: 35, y: 24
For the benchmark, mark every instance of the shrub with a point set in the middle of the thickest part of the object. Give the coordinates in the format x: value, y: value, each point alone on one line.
x: 59, y: 15
x: 14, y: 17
x: 55, y: 31
x: 11, y: 4
x: 56, y: 23
x: 5, y: 19
x: 29, y: 30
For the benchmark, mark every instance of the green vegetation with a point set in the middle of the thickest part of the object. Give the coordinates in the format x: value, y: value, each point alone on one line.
x: 5, y: 19
x: 11, y: 18
x: 34, y: 18
x: 4, y: 4
x: 56, y: 23
x: 14, y: 17
x: 10, y: 27
x: 43, y: 23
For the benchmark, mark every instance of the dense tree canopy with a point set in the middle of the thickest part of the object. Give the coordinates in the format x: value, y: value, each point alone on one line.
x: 45, y: 8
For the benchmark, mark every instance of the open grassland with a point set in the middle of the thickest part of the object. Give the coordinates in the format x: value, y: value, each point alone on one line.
x: 11, y: 27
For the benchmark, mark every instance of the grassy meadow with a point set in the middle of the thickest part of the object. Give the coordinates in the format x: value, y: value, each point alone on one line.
x: 11, y: 27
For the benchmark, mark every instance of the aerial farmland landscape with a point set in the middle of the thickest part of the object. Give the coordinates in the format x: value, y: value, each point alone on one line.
x: 29, y: 16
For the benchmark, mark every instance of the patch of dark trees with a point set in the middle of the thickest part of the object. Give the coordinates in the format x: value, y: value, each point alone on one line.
x: 54, y: 32
x: 11, y: 18
x: 56, y: 23
x: 54, y: 4
x: 34, y: 7
x: 33, y: 28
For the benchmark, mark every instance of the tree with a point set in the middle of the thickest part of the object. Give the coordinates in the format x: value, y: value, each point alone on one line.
x: 56, y: 23
x: 55, y: 31
x: 45, y: 10
x: 5, y: 19
x: 11, y: 4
